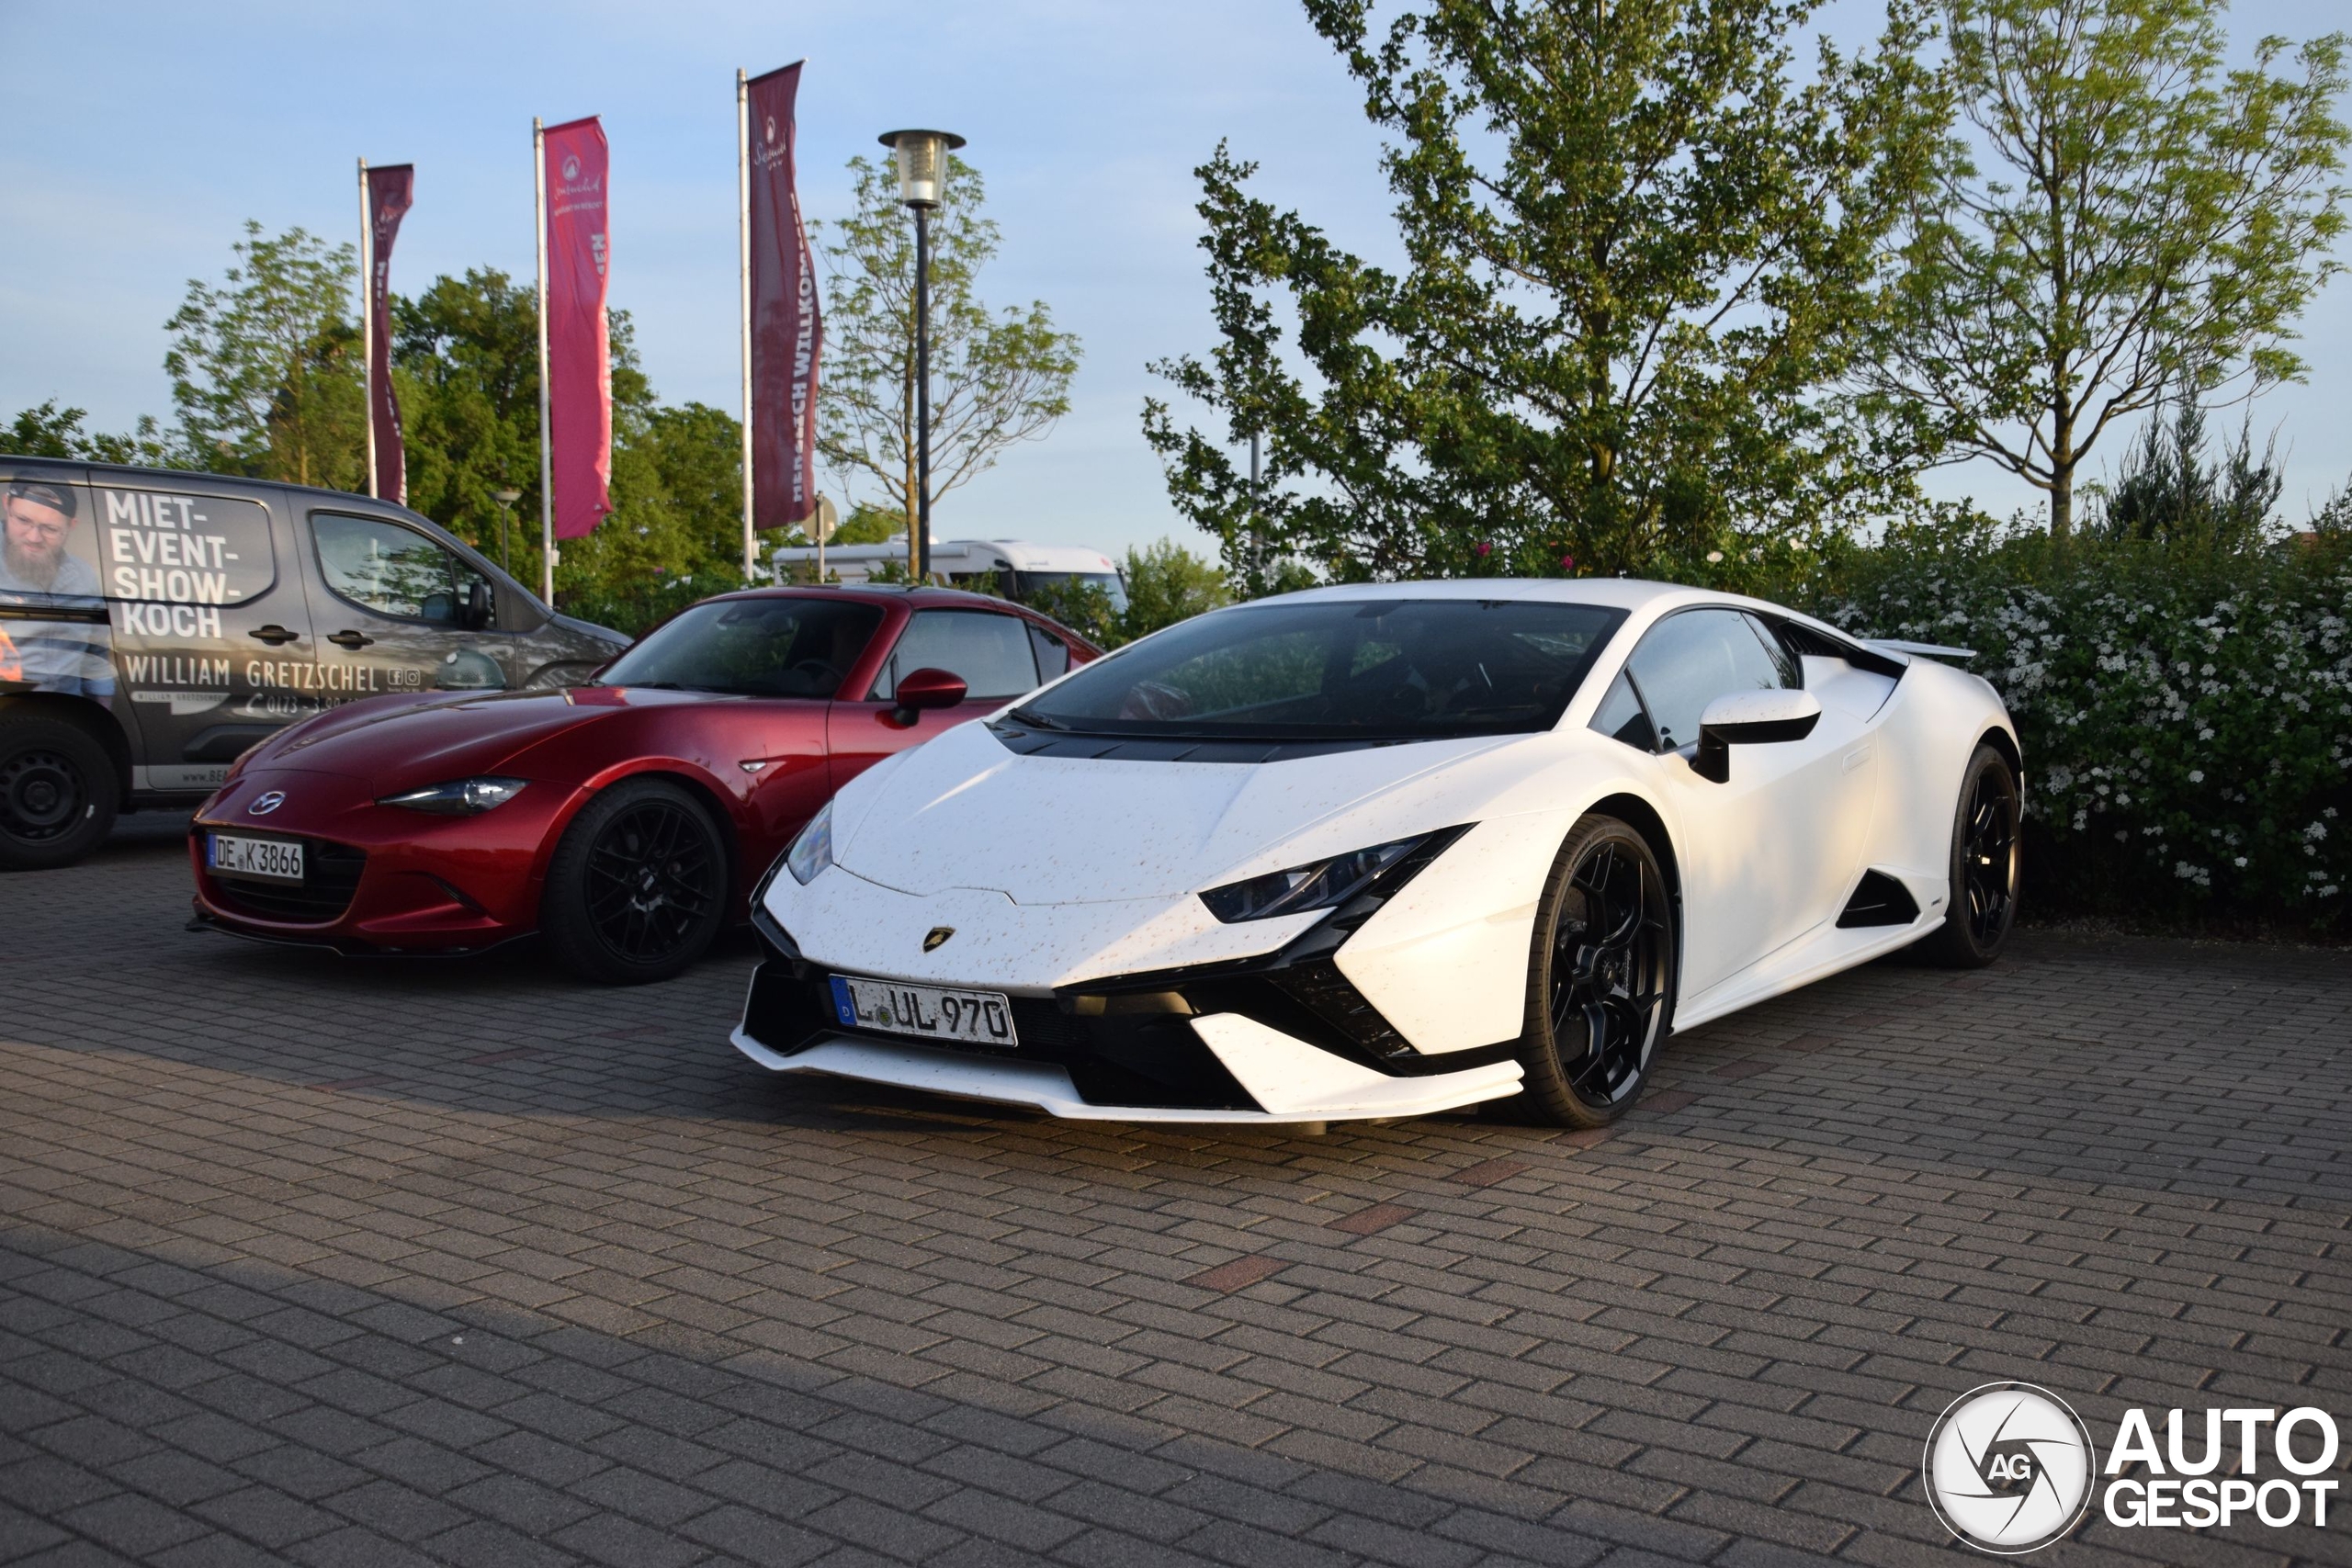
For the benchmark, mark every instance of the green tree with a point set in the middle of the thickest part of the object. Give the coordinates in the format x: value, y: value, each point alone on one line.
x: 265, y: 367
x: 466, y: 363
x: 1168, y: 583
x: 1637, y: 247
x: 2150, y: 222
x: 869, y: 525
x: 997, y: 379
x: 47, y: 429
x: 2171, y: 492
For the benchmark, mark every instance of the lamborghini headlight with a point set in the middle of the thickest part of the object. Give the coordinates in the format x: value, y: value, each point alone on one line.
x: 459, y: 798
x: 1319, y: 884
x: 812, y: 852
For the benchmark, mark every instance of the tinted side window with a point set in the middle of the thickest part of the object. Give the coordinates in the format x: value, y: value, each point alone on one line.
x: 1053, y: 653
x: 1791, y: 670
x: 182, y: 549
x: 395, y: 570
x: 1621, y: 716
x: 1691, y: 659
x: 990, y: 651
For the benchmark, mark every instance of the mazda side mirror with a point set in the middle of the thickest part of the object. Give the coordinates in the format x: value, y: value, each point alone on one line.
x: 1750, y: 718
x: 927, y: 688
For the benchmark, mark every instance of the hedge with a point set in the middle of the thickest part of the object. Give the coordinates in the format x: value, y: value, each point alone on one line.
x: 2186, y: 715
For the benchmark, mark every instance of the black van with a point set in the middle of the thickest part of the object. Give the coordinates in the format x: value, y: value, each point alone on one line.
x: 155, y: 623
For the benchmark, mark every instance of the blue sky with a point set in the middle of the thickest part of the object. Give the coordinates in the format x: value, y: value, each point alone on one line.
x: 140, y: 137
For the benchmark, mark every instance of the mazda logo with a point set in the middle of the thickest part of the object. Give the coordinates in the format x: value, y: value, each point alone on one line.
x: 938, y: 936
x: 267, y: 802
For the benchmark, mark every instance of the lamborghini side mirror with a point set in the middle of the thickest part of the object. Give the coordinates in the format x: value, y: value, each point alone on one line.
x: 1750, y: 718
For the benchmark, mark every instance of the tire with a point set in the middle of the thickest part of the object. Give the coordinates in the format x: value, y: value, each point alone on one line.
x: 638, y: 888
x: 1598, y: 1011
x: 59, y: 792
x: 1983, y: 905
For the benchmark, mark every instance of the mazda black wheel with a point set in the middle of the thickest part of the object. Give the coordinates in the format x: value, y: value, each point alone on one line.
x: 639, y: 885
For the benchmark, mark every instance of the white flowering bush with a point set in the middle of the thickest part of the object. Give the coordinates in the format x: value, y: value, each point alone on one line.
x: 2187, y: 716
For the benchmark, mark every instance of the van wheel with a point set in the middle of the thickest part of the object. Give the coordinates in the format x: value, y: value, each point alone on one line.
x: 638, y: 887
x: 57, y: 793
x: 1600, y: 979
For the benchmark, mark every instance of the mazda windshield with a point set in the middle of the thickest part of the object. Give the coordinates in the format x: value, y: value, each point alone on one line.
x: 1356, y: 670
x: 753, y: 648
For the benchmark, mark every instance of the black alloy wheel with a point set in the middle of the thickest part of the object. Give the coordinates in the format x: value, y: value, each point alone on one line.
x: 57, y: 793
x: 1601, y: 985
x: 1985, y: 864
x: 639, y: 885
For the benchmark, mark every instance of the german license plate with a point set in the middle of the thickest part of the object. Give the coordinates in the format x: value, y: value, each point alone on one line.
x: 931, y: 1013
x: 271, y: 860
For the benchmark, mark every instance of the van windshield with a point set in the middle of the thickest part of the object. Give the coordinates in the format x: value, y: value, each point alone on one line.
x: 1113, y: 585
x: 1353, y: 669
x: 753, y: 648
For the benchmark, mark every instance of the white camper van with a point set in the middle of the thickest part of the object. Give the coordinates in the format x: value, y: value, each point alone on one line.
x: 1021, y: 567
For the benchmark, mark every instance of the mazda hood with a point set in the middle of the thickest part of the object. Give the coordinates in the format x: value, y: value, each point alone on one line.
x: 442, y: 735
x: 964, y: 812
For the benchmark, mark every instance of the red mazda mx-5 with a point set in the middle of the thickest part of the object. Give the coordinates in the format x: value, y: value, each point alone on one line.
x: 627, y: 819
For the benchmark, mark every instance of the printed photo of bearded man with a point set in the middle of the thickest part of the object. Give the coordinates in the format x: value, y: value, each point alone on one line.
x: 37, y: 572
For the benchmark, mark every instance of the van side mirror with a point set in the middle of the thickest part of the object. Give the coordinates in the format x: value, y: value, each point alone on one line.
x: 478, y: 606
x: 927, y: 688
x: 1750, y: 718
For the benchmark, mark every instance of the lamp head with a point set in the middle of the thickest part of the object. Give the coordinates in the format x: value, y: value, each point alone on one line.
x: 922, y: 163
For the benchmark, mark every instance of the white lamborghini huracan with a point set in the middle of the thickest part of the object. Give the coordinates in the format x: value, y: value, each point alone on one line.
x: 1376, y: 851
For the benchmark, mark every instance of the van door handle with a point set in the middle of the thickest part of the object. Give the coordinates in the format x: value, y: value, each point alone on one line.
x: 350, y: 639
x: 274, y: 634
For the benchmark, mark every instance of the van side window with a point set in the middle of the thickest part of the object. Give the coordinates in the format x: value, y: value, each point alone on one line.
x: 181, y: 549
x: 395, y: 570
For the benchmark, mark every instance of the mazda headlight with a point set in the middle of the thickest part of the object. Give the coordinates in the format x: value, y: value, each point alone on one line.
x: 1319, y: 885
x: 459, y: 798
x: 812, y: 852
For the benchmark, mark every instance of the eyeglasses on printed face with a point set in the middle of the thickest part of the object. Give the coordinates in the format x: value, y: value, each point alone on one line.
x: 27, y: 523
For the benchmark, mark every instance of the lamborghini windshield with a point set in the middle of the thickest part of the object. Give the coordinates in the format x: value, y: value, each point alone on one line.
x: 1392, y: 669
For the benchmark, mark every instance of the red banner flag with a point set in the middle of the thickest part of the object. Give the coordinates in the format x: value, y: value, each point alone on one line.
x: 580, y: 364
x: 390, y: 191
x: 787, y: 326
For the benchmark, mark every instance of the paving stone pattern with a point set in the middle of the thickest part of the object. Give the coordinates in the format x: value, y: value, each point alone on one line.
x: 344, y: 1262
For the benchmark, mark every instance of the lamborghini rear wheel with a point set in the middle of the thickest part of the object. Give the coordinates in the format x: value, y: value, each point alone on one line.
x: 1601, y: 977
x: 1985, y: 867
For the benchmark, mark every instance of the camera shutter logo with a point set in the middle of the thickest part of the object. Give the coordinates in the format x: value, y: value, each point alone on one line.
x: 267, y: 802
x: 2009, y: 1468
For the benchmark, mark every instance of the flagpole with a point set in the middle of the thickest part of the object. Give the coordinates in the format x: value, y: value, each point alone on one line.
x: 367, y: 317
x: 743, y: 270
x: 547, y: 461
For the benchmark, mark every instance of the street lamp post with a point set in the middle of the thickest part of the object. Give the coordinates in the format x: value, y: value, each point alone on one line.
x: 506, y: 500
x: 922, y: 181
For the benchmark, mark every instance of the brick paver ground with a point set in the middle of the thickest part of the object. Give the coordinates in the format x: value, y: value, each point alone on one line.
x: 358, y: 1263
